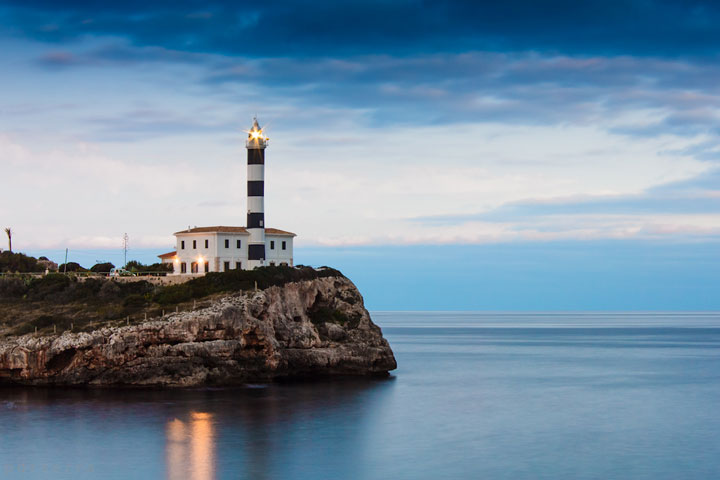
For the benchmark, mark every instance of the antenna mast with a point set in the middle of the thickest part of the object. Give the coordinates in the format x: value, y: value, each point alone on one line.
x: 125, y: 247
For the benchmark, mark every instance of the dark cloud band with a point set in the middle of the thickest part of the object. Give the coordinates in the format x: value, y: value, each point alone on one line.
x: 330, y: 28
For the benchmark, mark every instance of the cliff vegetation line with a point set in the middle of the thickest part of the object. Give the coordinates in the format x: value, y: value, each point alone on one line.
x: 58, y: 302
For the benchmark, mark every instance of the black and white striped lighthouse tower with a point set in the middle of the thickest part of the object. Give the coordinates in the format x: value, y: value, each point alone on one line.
x: 256, y: 143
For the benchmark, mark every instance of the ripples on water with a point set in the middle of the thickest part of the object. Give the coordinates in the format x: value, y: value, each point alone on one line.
x: 494, y: 396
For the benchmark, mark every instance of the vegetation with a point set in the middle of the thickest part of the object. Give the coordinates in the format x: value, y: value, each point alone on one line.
x: 139, y: 268
x: 102, y: 267
x: 57, y: 300
x: 17, y: 262
x: 324, y: 314
x: 20, y: 263
x: 71, y: 267
x: 233, y: 280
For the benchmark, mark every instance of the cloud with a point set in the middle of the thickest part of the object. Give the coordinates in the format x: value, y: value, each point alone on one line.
x: 640, y: 97
x: 687, y: 208
x: 349, y: 195
x: 426, y: 86
x: 327, y: 28
x: 460, y: 123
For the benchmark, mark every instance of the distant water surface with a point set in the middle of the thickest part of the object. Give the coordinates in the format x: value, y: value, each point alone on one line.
x: 476, y: 395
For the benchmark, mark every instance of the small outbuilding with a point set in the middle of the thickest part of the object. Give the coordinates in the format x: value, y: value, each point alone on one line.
x: 167, y: 257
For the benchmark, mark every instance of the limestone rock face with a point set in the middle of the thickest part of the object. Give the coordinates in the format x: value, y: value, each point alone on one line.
x: 311, y: 328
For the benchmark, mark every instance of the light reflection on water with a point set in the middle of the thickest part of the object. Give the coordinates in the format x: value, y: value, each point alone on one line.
x: 191, y: 448
x: 493, y: 396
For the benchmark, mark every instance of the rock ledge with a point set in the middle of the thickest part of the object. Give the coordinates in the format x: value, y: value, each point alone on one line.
x: 303, y: 329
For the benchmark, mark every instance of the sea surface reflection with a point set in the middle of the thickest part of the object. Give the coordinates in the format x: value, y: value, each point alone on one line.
x: 492, y: 396
x: 292, y: 430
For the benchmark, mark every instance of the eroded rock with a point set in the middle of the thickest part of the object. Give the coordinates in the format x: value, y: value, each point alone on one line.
x: 312, y: 328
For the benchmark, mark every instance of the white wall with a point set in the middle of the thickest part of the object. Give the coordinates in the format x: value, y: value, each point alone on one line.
x: 277, y: 254
x: 216, y: 254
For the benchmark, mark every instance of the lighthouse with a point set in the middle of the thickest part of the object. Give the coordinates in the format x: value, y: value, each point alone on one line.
x: 256, y: 144
x: 222, y: 248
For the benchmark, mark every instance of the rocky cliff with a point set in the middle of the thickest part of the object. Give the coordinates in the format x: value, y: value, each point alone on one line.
x: 309, y: 328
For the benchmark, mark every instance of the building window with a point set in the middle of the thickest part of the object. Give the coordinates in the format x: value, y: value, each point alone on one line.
x: 194, y: 244
x: 183, y: 267
x: 182, y: 245
x: 238, y: 265
x: 238, y: 244
x: 207, y: 267
x: 226, y: 266
x: 284, y: 245
x: 227, y: 243
x: 206, y: 243
x: 272, y: 244
x: 194, y: 267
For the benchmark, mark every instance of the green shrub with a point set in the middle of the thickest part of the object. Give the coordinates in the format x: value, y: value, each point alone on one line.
x: 137, y: 267
x: 12, y: 287
x: 52, y: 284
x: 172, y: 294
x: 237, y: 280
x: 324, y: 314
x: 71, y: 267
x: 87, y: 289
x: 44, y: 322
x: 102, y: 267
x: 18, y: 262
x: 135, y: 300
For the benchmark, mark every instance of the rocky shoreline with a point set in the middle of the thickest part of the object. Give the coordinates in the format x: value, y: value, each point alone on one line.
x: 302, y: 329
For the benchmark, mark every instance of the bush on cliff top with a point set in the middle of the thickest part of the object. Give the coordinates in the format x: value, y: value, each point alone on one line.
x: 57, y: 301
x: 63, y: 289
x: 137, y: 267
x: 71, y: 267
x: 236, y: 280
x: 18, y: 262
x: 103, y: 267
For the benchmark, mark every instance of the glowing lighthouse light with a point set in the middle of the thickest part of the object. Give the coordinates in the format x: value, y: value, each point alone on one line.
x: 256, y: 136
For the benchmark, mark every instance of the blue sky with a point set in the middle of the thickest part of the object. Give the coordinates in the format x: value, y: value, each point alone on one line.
x: 428, y: 136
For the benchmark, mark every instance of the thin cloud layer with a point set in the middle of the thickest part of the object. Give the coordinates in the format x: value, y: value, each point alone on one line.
x: 391, y: 122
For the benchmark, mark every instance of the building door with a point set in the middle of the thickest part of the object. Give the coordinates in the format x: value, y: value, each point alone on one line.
x: 207, y: 267
x: 226, y: 267
x: 194, y: 267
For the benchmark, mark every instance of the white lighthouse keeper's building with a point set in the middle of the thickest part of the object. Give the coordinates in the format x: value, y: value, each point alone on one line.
x: 221, y: 248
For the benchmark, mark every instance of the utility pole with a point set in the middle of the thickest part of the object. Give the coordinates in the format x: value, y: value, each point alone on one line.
x: 125, y: 247
x: 65, y: 269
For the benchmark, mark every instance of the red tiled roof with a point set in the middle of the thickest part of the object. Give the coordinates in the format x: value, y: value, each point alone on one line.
x: 168, y: 255
x: 277, y: 231
x: 223, y: 229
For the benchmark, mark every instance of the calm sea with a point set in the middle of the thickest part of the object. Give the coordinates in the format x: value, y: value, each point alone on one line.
x: 476, y: 396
